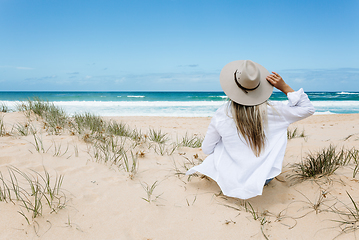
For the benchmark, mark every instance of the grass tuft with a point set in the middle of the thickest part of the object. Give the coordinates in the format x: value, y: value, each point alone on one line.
x: 349, y: 216
x: 191, y: 141
x: 322, y: 163
x: 118, y: 129
x: 2, y: 127
x: 38, y: 144
x: 354, y: 154
x: 130, y: 167
x: 295, y: 134
x: 23, y: 129
x: 4, y: 108
x: 55, y: 118
x: 157, y: 136
x: 149, y: 190
x: 40, y: 192
x: 108, y: 151
x: 88, y: 121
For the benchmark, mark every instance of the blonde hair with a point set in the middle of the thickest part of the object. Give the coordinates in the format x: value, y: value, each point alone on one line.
x: 251, y: 122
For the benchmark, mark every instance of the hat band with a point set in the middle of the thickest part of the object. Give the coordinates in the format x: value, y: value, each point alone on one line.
x: 241, y: 87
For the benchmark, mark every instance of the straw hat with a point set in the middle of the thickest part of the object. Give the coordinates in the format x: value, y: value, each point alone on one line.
x: 244, y: 82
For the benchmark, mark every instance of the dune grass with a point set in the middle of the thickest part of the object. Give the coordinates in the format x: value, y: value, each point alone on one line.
x: 2, y: 127
x: 130, y: 165
x: 38, y: 144
x: 4, y: 108
x: 58, y: 152
x: 55, y: 118
x: 23, y: 129
x: 112, y: 150
x: 118, y: 129
x: 107, y: 151
x: 322, y: 163
x: 39, y: 190
x: 349, y: 216
x: 88, y: 121
x: 194, y: 141
x: 106, y: 139
x: 157, y: 136
x: 295, y: 134
x: 257, y: 216
x: 149, y: 191
x: 355, y: 159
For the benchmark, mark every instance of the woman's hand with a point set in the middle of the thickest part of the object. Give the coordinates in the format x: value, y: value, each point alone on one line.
x: 277, y: 81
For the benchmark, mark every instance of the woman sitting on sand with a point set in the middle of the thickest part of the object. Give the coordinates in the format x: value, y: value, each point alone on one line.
x: 247, y: 137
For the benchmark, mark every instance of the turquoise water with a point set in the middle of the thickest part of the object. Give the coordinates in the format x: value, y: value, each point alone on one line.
x: 191, y: 104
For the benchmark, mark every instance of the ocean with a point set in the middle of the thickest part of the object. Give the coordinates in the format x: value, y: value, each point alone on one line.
x: 178, y: 104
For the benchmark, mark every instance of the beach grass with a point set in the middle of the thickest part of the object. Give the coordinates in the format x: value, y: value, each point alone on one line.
x: 255, y: 214
x: 32, y: 192
x: 137, y: 136
x: 55, y: 118
x: 23, y: 129
x: 194, y: 141
x: 88, y: 121
x: 149, y: 191
x: 118, y: 129
x: 108, y: 151
x: 130, y: 165
x: 4, y: 108
x: 349, y: 216
x: 157, y: 136
x: 355, y: 159
x: 295, y: 133
x: 38, y: 143
x: 2, y: 127
x: 58, y: 152
x: 322, y: 163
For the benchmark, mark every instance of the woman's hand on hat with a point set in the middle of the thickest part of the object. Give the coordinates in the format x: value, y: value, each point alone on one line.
x: 277, y: 81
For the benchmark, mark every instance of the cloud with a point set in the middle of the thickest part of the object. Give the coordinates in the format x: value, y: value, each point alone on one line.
x: 41, y: 79
x: 299, y: 80
x: 73, y: 73
x: 152, y: 81
x: 189, y: 65
x: 338, y: 79
x: 19, y: 68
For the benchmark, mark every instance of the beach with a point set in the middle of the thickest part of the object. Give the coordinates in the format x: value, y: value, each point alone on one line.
x: 98, y: 196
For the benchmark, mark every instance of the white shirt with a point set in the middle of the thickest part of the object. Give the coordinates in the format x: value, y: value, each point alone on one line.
x: 232, y: 163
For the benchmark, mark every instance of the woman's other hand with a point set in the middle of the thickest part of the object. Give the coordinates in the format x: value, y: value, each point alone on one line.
x: 277, y: 81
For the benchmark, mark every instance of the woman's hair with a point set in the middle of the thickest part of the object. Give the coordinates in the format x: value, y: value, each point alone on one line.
x: 250, y: 122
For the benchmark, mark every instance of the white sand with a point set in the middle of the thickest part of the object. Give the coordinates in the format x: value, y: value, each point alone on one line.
x: 103, y: 202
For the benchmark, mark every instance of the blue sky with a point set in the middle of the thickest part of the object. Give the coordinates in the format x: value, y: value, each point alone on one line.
x: 175, y: 44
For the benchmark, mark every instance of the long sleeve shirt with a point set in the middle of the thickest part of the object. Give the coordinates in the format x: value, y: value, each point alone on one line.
x: 232, y: 163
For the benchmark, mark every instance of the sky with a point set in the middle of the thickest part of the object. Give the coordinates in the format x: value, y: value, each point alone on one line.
x: 175, y: 45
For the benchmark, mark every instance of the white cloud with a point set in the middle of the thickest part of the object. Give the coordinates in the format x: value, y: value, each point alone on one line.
x: 298, y: 80
x: 19, y: 68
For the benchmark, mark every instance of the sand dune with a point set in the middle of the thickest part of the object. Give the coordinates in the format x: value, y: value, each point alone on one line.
x: 101, y: 200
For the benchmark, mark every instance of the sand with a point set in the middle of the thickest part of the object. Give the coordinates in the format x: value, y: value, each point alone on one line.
x: 102, y: 201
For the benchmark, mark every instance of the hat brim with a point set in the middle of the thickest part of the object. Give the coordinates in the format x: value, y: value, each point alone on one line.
x: 252, y: 98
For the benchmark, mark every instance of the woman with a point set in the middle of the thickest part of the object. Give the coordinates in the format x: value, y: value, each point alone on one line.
x: 246, y: 138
